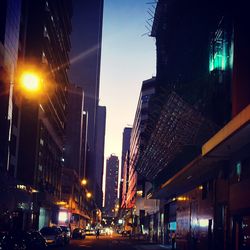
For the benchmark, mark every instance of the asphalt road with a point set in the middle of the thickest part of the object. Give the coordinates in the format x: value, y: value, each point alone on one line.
x: 115, y: 242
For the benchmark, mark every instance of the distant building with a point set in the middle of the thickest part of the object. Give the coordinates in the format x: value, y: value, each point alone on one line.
x: 73, y: 192
x: 139, y: 136
x: 125, y: 145
x: 86, y: 42
x: 125, y: 149
x: 99, y: 163
x: 112, y: 169
x: 124, y: 183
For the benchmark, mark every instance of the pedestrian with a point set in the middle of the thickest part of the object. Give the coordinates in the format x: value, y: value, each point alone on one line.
x: 173, y: 239
x: 97, y: 233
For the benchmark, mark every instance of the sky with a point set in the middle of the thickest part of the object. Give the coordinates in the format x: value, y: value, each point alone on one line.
x: 128, y: 58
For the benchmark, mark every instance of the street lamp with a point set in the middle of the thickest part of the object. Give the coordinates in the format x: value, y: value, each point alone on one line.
x: 84, y: 182
x: 89, y: 195
x: 30, y: 82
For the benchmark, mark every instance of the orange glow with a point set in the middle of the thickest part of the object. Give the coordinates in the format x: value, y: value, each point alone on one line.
x: 182, y: 198
x: 89, y: 195
x: 30, y: 82
x: 84, y: 182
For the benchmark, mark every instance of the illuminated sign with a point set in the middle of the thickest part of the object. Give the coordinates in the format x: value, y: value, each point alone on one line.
x: 63, y: 216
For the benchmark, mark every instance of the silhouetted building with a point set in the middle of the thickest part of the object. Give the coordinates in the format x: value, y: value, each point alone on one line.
x: 73, y: 192
x: 125, y: 145
x: 74, y: 131
x: 10, y: 12
x: 112, y: 169
x: 197, y: 156
x: 99, y: 163
x: 125, y: 182
x: 46, y: 26
x: 125, y: 148
x: 11, y: 211
x: 85, y: 71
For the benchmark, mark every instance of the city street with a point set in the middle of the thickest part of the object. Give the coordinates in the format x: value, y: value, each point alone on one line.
x: 116, y: 242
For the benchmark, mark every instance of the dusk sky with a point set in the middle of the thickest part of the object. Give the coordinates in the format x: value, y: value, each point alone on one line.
x: 128, y: 58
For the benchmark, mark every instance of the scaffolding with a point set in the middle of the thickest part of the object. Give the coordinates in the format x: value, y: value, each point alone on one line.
x: 179, y: 125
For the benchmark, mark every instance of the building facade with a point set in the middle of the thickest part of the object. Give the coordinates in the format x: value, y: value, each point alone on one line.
x: 198, y: 146
x: 125, y: 146
x: 139, y: 136
x: 111, y: 190
x: 85, y: 71
x: 46, y: 26
x: 99, y: 163
x: 73, y: 196
x: 125, y: 151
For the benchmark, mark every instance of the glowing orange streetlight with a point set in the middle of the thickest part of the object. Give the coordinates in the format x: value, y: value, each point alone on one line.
x: 89, y: 195
x: 31, y: 82
x: 84, y: 182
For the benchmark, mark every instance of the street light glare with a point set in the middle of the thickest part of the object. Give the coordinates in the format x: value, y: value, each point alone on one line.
x: 89, y: 195
x: 30, y: 81
x: 84, y: 182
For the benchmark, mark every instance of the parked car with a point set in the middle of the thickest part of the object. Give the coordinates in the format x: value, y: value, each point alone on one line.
x: 36, y: 241
x: 66, y: 234
x: 53, y: 236
x: 78, y: 233
x: 21, y: 240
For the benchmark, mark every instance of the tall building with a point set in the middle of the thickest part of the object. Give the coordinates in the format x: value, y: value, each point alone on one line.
x: 85, y: 71
x: 125, y: 150
x: 73, y: 192
x: 125, y: 145
x: 139, y: 136
x: 112, y: 169
x: 124, y: 183
x: 46, y: 26
x: 99, y: 163
x: 10, y: 16
x: 73, y: 157
x: 10, y: 12
x: 197, y: 154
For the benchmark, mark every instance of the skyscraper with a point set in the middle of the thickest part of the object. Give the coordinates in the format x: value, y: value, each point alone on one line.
x: 100, y: 142
x: 125, y: 145
x: 74, y: 130
x: 46, y: 26
x: 125, y: 151
x: 85, y: 70
x: 112, y: 167
x: 10, y: 12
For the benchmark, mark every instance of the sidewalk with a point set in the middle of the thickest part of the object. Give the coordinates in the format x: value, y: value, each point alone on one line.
x: 146, y: 245
x: 152, y: 246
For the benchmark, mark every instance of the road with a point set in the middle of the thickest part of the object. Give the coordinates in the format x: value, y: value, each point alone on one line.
x: 115, y: 242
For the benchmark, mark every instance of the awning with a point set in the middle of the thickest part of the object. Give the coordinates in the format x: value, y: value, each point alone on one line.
x: 231, y: 138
